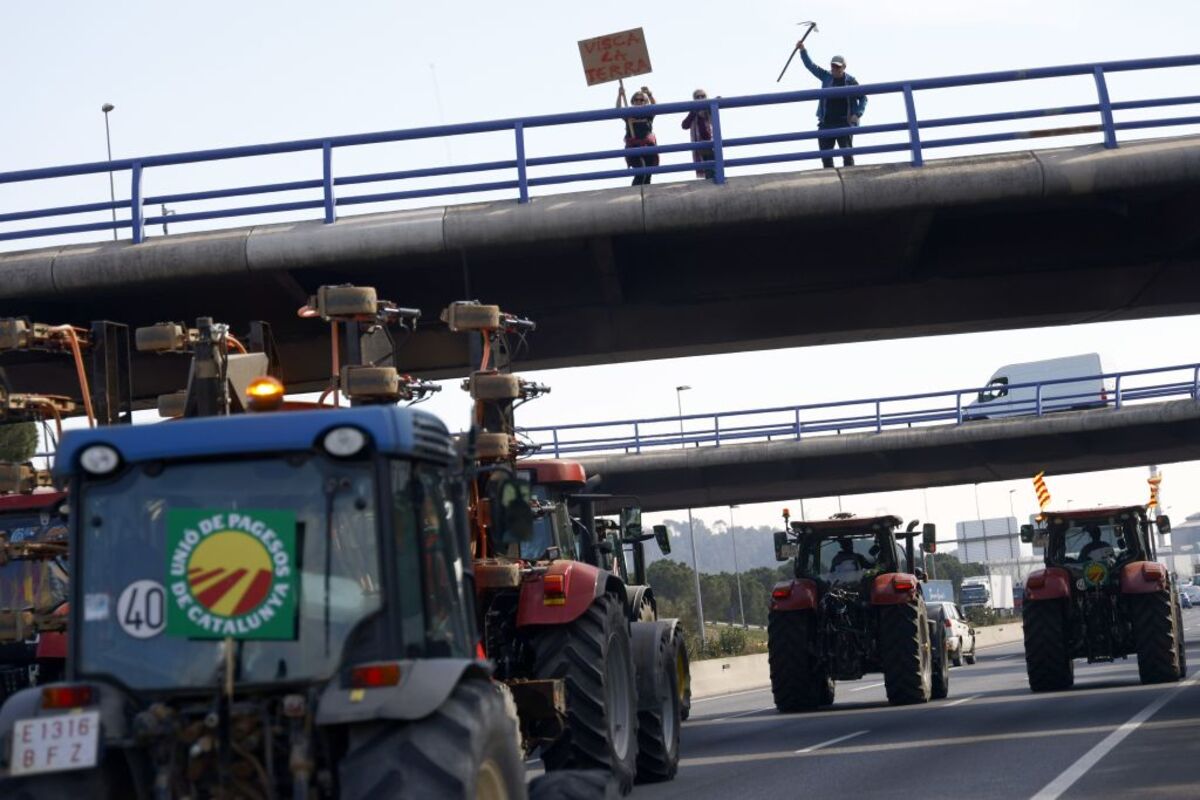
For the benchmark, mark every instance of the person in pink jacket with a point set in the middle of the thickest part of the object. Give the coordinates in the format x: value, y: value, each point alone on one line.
x: 699, y: 123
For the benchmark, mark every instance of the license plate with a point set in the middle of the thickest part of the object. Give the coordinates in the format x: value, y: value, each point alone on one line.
x: 55, y: 744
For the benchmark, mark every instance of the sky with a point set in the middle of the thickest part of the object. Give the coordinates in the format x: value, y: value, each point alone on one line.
x: 221, y: 73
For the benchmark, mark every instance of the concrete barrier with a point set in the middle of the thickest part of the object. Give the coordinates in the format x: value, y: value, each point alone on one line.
x: 718, y: 676
x: 998, y: 634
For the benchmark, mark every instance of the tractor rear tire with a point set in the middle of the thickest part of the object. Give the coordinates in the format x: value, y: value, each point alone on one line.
x: 574, y: 784
x: 1157, y: 636
x: 1048, y: 661
x: 798, y: 681
x: 906, y: 653
x: 941, y: 663
x: 468, y: 747
x: 594, y: 657
x: 659, y: 719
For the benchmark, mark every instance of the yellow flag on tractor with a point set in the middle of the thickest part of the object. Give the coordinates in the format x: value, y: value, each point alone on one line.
x: 1154, y: 481
x: 1039, y: 487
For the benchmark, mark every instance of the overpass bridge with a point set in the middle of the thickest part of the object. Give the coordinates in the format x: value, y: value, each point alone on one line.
x: 743, y: 262
x: 889, y: 443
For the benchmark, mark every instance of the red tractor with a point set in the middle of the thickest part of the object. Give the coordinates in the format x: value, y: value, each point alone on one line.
x: 557, y: 629
x: 854, y: 606
x: 1101, y: 596
x: 33, y: 515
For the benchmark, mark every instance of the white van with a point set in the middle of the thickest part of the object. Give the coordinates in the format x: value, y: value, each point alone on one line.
x: 997, y: 399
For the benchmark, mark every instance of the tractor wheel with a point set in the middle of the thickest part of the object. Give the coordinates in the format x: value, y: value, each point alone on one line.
x: 1157, y: 636
x: 904, y: 649
x: 1048, y: 660
x: 941, y: 663
x: 683, y: 674
x: 574, y: 784
x: 658, y: 714
x: 594, y: 657
x: 467, y: 748
x: 798, y: 681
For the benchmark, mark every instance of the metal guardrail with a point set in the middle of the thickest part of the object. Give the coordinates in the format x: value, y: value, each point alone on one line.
x: 520, y: 181
x: 1110, y: 390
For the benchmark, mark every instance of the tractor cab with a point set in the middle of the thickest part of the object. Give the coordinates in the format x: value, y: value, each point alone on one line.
x: 846, y: 551
x: 1093, y: 544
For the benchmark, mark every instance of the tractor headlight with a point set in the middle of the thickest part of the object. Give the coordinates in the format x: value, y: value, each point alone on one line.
x: 344, y: 442
x: 99, y: 459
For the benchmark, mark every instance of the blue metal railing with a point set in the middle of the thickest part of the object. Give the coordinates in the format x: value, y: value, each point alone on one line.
x: 956, y: 407
x: 518, y: 168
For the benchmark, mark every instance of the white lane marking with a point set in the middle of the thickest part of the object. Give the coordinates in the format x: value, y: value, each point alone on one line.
x: 731, y: 694
x: 1089, y: 759
x: 963, y: 700
x: 868, y: 686
x: 816, y: 747
x: 742, y: 714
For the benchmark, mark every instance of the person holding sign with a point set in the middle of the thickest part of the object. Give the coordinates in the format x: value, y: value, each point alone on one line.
x: 639, y: 132
x: 835, y: 112
x: 699, y: 124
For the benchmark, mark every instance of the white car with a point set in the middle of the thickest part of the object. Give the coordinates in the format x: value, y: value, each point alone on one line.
x: 960, y: 636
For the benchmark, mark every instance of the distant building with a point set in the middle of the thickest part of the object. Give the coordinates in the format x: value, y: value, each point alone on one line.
x: 1184, y: 549
x: 988, y: 540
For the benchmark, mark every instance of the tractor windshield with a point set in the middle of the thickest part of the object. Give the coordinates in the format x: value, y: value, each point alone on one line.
x: 1100, y: 539
x: 35, y: 585
x: 842, y: 559
x: 277, y: 559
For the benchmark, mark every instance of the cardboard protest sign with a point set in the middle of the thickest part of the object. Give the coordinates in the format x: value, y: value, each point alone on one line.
x: 615, y: 56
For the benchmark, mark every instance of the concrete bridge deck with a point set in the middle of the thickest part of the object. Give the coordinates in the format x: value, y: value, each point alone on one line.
x: 1023, y: 239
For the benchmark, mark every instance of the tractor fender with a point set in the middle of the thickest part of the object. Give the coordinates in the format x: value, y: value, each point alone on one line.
x: 651, y: 645
x: 1143, y: 577
x: 114, y: 706
x: 1052, y: 583
x: 794, y: 595
x: 424, y: 685
x: 635, y: 598
x: 889, y: 589
x: 582, y: 585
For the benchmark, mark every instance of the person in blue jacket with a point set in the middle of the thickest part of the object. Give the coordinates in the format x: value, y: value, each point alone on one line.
x: 835, y: 112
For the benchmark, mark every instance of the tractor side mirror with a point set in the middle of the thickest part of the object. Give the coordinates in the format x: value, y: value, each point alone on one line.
x: 1164, y: 523
x: 783, y: 548
x: 929, y: 537
x: 512, y: 511
x: 663, y: 537
x: 1027, y: 534
x: 631, y: 522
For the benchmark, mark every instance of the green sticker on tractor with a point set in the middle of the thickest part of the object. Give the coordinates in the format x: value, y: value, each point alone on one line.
x: 1095, y: 573
x: 231, y: 574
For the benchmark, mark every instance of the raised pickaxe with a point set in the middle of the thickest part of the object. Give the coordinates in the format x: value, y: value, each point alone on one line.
x: 812, y: 26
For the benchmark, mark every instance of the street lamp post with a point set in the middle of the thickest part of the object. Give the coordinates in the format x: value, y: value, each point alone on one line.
x: 679, y: 390
x: 736, y: 572
x: 112, y: 191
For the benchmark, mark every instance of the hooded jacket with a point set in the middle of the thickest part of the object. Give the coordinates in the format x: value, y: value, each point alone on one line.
x: 857, y: 104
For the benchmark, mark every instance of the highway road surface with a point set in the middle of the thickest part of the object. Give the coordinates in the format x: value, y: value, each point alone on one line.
x: 991, y: 738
